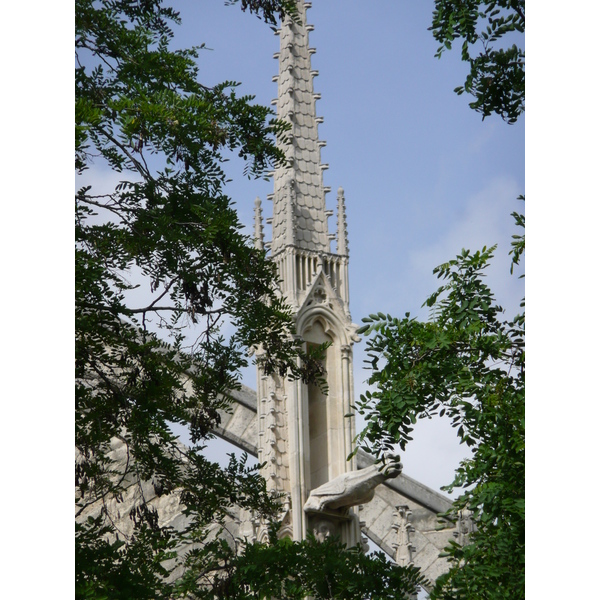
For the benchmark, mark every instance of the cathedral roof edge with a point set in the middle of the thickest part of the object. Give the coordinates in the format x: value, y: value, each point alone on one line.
x: 409, y: 487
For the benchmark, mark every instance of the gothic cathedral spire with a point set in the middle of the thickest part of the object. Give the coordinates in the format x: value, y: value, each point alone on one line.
x: 299, y: 186
x: 305, y: 435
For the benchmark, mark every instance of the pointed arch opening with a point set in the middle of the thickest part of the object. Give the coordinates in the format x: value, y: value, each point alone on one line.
x: 318, y: 418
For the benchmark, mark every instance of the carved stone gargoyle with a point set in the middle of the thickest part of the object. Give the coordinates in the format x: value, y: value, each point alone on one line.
x: 350, y: 489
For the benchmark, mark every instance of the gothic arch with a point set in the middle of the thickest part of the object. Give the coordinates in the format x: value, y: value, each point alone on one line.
x: 321, y: 304
x: 332, y: 326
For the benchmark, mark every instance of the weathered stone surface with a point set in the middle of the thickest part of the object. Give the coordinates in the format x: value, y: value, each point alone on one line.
x: 241, y: 428
x: 378, y: 516
x: 350, y: 489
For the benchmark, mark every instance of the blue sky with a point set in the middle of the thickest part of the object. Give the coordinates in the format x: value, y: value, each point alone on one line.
x: 423, y: 175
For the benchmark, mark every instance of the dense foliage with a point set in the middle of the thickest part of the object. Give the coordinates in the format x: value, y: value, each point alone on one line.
x: 467, y: 363
x: 497, y: 73
x: 169, y: 298
x: 289, y: 570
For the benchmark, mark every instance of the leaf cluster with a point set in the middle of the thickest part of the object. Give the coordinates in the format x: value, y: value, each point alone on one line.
x: 468, y: 363
x: 120, y: 571
x: 268, y: 10
x: 497, y: 74
x: 291, y: 570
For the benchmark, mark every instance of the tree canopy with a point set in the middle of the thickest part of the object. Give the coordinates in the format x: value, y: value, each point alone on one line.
x: 468, y: 363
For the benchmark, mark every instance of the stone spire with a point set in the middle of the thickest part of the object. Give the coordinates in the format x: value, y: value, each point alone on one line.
x: 305, y: 435
x: 342, y: 227
x: 299, y: 194
x: 259, y: 237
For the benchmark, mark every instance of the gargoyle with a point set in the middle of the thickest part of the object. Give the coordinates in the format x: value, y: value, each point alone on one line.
x: 350, y: 489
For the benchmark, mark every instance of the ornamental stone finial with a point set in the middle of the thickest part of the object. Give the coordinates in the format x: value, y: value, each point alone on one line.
x: 259, y: 237
x: 342, y: 226
x: 404, y: 548
x: 464, y: 526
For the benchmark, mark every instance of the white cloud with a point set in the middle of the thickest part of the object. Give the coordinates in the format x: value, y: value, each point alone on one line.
x: 484, y: 220
x: 434, y: 453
